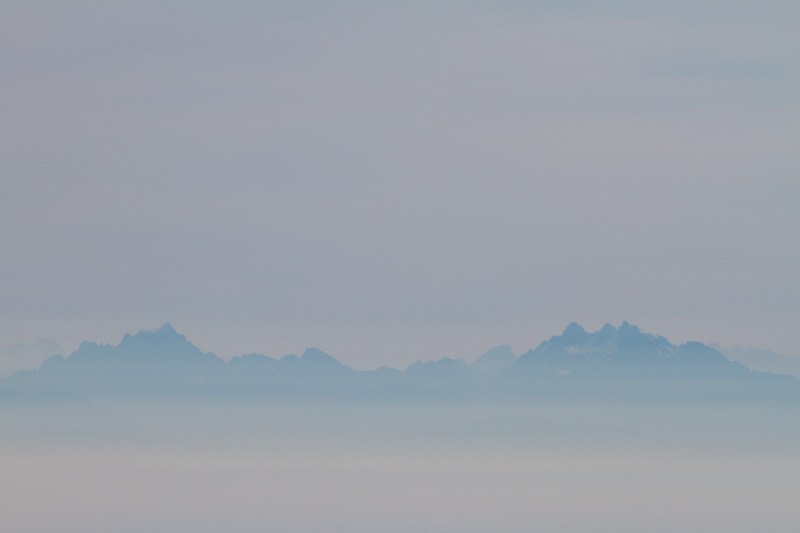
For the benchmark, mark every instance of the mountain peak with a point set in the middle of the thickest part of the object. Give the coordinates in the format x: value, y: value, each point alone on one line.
x: 162, y: 340
x: 495, y: 360
x: 166, y: 328
x: 318, y: 357
x: 165, y: 332
x: 573, y: 329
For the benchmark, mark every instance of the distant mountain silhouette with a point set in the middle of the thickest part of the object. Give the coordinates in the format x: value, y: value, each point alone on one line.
x: 446, y: 368
x: 625, y: 353
x: 495, y: 361
x: 163, y: 361
x: 762, y: 360
x: 313, y: 362
x: 150, y: 361
x: 21, y: 356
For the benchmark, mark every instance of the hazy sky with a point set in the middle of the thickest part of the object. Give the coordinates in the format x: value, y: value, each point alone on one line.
x: 394, y: 181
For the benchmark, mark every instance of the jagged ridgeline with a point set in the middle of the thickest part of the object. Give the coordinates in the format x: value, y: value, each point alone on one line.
x: 576, y: 363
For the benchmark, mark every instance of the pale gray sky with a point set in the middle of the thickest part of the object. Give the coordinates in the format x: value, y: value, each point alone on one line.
x: 399, y: 181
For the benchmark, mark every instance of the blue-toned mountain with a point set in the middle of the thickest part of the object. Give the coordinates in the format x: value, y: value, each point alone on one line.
x: 150, y: 361
x: 495, y: 361
x: 624, y: 353
x: 163, y: 361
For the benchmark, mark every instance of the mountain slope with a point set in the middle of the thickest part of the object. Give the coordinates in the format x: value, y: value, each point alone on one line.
x: 762, y: 360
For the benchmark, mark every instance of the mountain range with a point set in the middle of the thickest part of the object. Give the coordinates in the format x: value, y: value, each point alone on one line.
x: 163, y: 361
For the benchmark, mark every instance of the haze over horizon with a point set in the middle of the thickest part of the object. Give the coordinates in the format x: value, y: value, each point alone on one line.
x: 394, y: 182
x: 616, y: 428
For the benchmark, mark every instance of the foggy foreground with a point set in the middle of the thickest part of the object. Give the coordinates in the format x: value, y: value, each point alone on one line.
x: 248, y: 465
x: 615, y: 430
